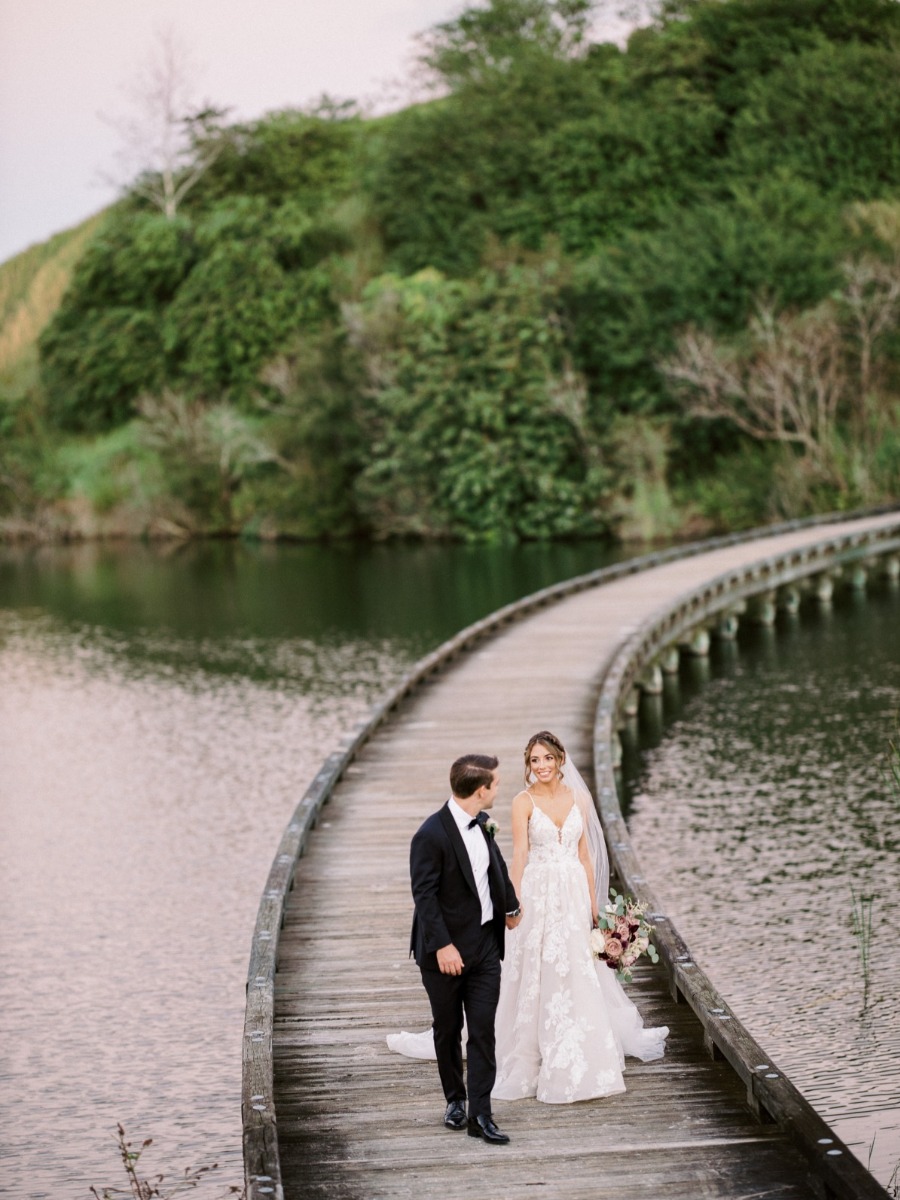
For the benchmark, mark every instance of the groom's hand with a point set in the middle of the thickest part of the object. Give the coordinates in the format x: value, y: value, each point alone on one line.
x: 449, y: 961
x: 512, y: 922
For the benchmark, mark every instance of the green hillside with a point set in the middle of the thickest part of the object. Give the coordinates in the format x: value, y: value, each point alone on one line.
x: 31, y: 288
x: 587, y: 291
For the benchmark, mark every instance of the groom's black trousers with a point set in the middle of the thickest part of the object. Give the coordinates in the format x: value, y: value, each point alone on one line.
x: 476, y: 991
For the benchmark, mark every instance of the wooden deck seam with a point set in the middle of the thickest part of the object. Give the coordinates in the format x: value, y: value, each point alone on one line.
x: 423, y: 718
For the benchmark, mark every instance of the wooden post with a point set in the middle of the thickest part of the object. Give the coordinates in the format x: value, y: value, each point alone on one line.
x: 727, y: 626
x: 652, y: 716
x: 615, y: 752
x: 651, y: 681
x: 789, y: 598
x: 696, y: 642
x: 762, y: 608
x: 669, y: 660
x: 823, y: 586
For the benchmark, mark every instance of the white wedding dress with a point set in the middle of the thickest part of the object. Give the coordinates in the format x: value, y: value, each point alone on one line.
x: 564, y: 1023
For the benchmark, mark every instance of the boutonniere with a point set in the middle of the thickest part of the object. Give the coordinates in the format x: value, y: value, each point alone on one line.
x: 491, y: 827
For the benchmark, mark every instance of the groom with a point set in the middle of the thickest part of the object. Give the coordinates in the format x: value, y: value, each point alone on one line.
x: 464, y: 904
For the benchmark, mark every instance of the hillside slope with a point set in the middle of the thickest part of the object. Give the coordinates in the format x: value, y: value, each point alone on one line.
x: 31, y: 287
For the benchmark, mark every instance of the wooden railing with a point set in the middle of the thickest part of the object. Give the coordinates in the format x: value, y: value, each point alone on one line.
x: 835, y: 1171
x: 262, y: 1169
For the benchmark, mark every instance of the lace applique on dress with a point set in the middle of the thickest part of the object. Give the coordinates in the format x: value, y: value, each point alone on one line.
x: 564, y: 1023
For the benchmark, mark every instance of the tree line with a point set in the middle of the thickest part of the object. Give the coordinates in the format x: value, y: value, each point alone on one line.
x: 583, y: 290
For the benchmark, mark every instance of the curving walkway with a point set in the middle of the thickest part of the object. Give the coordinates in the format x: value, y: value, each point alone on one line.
x: 355, y: 1122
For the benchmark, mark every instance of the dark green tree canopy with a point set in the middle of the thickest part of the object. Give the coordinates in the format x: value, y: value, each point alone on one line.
x: 450, y: 320
x: 308, y: 157
x: 490, y: 40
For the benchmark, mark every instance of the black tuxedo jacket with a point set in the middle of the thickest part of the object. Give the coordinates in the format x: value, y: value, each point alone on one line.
x: 446, y: 899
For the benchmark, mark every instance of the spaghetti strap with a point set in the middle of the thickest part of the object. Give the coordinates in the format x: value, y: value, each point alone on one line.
x: 531, y: 798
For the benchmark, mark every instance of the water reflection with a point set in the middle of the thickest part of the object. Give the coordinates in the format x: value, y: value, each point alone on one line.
x: 763, y: 801
x: 153, y: 704
x: 140, y: 814
x: 421, y: 594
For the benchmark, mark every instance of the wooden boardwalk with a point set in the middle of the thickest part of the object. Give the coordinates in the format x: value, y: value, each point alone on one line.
x: 356, y: 1122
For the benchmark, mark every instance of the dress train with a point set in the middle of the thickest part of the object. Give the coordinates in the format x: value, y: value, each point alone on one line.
x: 564, y: 1022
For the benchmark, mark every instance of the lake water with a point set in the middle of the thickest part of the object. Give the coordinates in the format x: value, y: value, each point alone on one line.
x: 763, y: 801
x: 161, y: 713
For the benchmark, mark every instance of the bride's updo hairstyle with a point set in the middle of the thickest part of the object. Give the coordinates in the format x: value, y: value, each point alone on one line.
x: 553, y: 744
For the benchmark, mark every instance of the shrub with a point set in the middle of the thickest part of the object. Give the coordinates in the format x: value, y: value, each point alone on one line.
x: 476, y: 426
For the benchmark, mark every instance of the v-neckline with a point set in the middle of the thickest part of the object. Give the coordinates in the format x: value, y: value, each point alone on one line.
x: 558, y: 828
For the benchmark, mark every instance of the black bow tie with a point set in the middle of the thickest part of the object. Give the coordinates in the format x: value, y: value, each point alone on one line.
x: 475, y: 821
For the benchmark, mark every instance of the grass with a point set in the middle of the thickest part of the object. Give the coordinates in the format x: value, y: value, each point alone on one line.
x: 145, y: 1188
x: 31, y: 287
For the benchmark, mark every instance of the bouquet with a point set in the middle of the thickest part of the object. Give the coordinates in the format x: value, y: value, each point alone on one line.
x: 623, y: 935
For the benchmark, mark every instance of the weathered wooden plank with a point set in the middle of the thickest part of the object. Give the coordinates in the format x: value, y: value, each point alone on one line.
x: 769, y: 1092
x: 354, y: 1120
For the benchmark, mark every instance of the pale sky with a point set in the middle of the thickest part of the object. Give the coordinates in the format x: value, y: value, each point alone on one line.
x: 64, y: 62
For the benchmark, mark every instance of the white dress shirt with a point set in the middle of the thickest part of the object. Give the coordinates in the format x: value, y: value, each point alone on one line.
x: 479, y: 857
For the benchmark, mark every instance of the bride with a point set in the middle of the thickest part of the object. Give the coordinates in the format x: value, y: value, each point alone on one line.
x: 564, y: 1023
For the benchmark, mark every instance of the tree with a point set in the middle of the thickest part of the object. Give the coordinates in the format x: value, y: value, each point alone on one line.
x: 104, y: 345
x: 872, y: 299
x: 305, y: 156
x: 169, y: 140
x: 485, y: 41
x: 783, y: 384
x: 475, y: 420
x: 810, y: 379
x: 830, y: 116
x: 312, y: 425
x: 258, y: 280
x: 206, y: 451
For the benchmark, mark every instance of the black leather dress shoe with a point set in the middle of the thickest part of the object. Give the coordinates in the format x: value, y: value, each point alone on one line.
x: 484, y: 1127
x: 455, y: 1116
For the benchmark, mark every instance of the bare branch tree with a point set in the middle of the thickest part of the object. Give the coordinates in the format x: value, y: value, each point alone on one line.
x: 872, y: 298
x: 789, y: 376
x: 783, y: 383
x: 168, y: 139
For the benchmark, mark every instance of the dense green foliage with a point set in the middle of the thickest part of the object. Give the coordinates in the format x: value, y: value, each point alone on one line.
x: 203, y: 300
x: 456, y: 320
x: 473, y: 428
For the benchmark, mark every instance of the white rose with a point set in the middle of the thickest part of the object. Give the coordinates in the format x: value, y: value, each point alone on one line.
x: 598, y: 941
